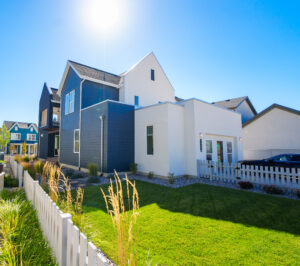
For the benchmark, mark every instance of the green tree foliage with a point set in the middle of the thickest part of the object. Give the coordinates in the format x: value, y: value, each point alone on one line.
x: 4, y: 137
x: 24, y: 148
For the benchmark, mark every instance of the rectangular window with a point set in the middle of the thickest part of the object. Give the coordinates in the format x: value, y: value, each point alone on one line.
x: 31, y: 137
x: 149, y: 140
x: 69, y: 102
x: 15, y: 136
x: 44, y: 118
x: 200, y: 145
x: 229, y: 152
x: 76, y: 141
x: 209, y: 150
x: 136, y: 100
x: 55, y: 114
x: 152, y: 74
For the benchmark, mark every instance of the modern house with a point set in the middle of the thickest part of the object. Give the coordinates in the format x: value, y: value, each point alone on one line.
x: 115, y: 120
x: 274, y: 131
x: 49, y: 120
x: 21, y: 132
x: 240, y: 105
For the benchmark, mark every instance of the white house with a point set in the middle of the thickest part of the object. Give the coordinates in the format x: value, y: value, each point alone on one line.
x: 171, y: 137
x: 276, y: 130
x: 240, y: 105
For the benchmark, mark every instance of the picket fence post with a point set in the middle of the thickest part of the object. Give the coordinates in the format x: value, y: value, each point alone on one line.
x: 63, y: 235
x: 20, y: 174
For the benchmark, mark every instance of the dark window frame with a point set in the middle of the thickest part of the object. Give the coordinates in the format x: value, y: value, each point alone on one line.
x: 150, y: 140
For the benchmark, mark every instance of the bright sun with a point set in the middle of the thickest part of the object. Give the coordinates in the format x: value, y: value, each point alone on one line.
x: 101, y: 16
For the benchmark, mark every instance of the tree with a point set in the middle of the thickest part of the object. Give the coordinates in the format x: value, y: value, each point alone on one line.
x: 24, y: 148
x: 4, y: 137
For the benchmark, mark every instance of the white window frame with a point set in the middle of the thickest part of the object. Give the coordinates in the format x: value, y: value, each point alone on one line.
x: 70, y: 102
x: 13, y: 136
x: 74, y: 141
x: 229, y: 153
x: 31, y: 137
x: 212, y: 149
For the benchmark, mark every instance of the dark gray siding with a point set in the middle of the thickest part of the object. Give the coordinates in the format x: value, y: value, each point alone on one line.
x: 118, y: 139
x: 69, y: 122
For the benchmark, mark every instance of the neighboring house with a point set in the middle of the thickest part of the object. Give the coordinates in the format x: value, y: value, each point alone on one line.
x: 240, y: 105
x: 108, y: 120
x: 274, y: 131
x: 49, y: 120
x: 171, y: 137
x: 21, y: 132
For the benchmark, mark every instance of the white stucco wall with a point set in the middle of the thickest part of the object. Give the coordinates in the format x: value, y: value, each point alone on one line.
x: 177, y: 129
x: 276, y: 132
x: 137, y: 82
x: 245, y: 110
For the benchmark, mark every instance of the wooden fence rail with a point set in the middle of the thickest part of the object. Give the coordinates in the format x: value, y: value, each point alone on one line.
x: 263, y: 175
x: 69, y: 245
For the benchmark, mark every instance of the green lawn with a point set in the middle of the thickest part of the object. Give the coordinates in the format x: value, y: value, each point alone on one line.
x: 203, y: 224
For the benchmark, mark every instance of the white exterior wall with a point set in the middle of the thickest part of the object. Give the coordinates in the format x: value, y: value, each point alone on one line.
x: 245, y: 110
x: 276, y: 132
x: 137, y: 82
x: 177, y: 129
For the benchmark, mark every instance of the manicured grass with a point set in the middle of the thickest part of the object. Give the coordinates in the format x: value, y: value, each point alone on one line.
x: 202, y: 224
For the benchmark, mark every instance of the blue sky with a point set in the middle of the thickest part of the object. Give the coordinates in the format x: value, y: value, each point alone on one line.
x: 212, y: 50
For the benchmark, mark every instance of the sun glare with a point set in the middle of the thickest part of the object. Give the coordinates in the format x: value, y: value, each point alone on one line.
x: 101, y: 16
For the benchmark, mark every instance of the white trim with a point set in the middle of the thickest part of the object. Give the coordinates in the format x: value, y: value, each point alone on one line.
x: 107, y: 100
x: 16, y: 123
x: 19, y: 134
x: 28, y: 137
x: 158, y: 104
x: 101, y: 82
x: 74, y: 140
x: 53, y: 101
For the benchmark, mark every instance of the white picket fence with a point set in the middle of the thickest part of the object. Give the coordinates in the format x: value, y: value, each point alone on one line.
x: 235, y: 172
x: 17, y: 170
x: 69, y: 245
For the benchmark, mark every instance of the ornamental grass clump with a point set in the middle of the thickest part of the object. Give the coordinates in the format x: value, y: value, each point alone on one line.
x: 123, y: 217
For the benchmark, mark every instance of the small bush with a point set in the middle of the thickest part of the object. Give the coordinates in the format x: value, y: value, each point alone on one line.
x: 18, y: 158
x: 133, y: 168
x: 10, y: 181
x: 298, y: 193
x: 69, y: 173
x: 187, y: 177
x: 272, y: 190
x: 93, y: 179
x: 171, y: 178
x: 25, y: 158
x: 150, y: 175
x: 30, y: 168
x: 76, y: 176
x: 93, y: 169
x: 38, y: 166
x: 33, y: 158
x: 245, y: 185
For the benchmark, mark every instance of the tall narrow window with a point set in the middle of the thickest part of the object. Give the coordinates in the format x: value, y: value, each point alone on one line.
x: 67, y: 102
x: 72, y: 100
x: 76, y: 141
x: 149, y: 140
x: 229, y: 152
x: 44, y: 117
x: 152, y: 74
x: 209, y: 150
x: 136, y: 100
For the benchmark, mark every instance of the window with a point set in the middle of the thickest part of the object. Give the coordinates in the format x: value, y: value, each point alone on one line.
x: 200, y: 145
x: 149, y: 140
x: 15, y: 136
x: 229, y: 152
x: 152, y: 74
x: 55, y: 114
x: 69, y: 102
x: 209, y: 150
x: 31, y: 137
x: 76, y: 141
x: 31, y: 129
x: 44, y: 118
x: 136, y: 100
x: 16, y: 128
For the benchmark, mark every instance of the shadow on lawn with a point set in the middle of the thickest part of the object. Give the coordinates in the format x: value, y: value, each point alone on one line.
x: 219, y: 203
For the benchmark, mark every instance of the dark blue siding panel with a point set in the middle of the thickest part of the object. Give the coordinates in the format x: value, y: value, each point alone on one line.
x: 69, y: 122
x: 93, y: 93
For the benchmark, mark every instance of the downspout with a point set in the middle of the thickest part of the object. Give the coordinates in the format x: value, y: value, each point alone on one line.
x: 101, y: 143
x: 80, y: 106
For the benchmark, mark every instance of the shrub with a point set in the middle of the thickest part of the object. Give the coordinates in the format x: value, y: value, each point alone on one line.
x: 93, y: 169
x: 38, y: 166
x: 18, y: 158
x: 33, y: 158
x: 25, y: 158
x: 187, y: 177
x: 150, y: 175
x: 76, y: 175
x: 245, y: 185
x: 171, y: 178
x: 272, y: 189
x: 11, y: 181
x: 298, y: 193
x: 30, y: 168
x: 133, y: 168
x: 93, y: 179
x: 69, y: 173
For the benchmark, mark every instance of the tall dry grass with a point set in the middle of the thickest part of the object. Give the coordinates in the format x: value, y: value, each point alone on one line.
x: 123, y: 217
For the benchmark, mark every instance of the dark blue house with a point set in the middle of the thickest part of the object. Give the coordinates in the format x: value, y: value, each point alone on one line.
x: 21, y: 132
x: 95, y: 127
x: 49, y: 120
